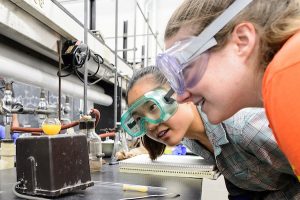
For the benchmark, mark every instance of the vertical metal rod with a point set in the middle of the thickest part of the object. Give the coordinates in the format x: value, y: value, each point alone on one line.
x: 59, y: 46
x: 145, y: 19
x: 147, y: 40
x: 92, y: 14
x: 154, y: 14
x: 116, y: 67
x: 85, y: 65
x: 121, y: 86
x: 156, y: 46
x: 143, y: 57
x: 138, y: 35
x: 125, y: 40
x: 134, y: 33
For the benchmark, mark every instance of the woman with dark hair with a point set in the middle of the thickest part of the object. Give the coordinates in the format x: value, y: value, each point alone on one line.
x: 243, y: 147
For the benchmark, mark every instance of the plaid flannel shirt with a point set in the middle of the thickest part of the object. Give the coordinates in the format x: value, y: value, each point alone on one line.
x: 246, y: 153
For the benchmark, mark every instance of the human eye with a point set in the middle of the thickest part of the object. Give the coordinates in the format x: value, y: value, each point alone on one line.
x: 153, y: 107
x: 186, y: 73
x: 136, y: 118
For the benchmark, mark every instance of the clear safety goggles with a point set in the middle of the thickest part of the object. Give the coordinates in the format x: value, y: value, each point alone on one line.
x: 153, y: 107
x: 186, y: 61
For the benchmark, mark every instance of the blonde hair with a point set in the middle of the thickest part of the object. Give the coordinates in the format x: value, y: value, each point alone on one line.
x: 274, y: 20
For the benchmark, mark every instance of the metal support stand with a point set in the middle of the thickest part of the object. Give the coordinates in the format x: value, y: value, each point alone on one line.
x: 85, y: 63
x: 59, y: 47
x: 116, y: 67
x: 125, y: 32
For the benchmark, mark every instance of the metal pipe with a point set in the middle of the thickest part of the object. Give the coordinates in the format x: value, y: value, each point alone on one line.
x: 154, y: 13
x: 121, y: 92
x: 25, y: 129
x: 134, y: 34
x: 143, y: 56
x: 147, y: 42
x: 59, y: 46
x: 156, y: 46
x: 125, y: 32
x: 154, y: 35
x: 137, y: 35
x: 94, y: 112
x: 86, y: 63
x: 38, y: 74
x: 116, y: 66
x: 92, y: 14
x: 32, y: 111
x: 139, y: 58
x: 124, y: 50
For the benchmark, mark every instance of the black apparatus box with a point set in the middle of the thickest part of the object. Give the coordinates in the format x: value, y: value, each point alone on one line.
x: 52, y: 165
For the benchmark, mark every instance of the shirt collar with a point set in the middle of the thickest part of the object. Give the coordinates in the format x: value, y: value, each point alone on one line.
x: 216, y: 133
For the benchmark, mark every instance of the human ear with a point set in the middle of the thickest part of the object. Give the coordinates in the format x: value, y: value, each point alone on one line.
x: 244, y: 37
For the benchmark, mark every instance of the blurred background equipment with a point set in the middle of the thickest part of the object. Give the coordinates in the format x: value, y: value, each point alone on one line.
x: 87, y: 127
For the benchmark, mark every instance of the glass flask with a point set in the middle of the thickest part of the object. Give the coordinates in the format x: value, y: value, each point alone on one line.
x: 51, y: 126
x: 43, y: 105
x: 87, y: 126
x: 120, y: 143
x: 7, y: 102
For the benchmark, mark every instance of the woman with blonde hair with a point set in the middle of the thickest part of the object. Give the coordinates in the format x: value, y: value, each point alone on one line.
x: 231, y: 54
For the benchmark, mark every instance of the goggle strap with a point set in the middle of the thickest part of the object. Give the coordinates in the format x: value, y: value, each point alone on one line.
x: 213, y: 28
x: 212, y: 42
x: 168, y: 98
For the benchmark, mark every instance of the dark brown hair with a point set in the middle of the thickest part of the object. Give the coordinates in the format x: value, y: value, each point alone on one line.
x: 154, y: 148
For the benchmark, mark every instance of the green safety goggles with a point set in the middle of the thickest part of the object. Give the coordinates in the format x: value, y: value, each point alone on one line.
x: 153, y: 107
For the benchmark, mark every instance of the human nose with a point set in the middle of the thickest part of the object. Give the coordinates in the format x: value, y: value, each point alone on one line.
x: 185, y: 97
x: 150, y: 127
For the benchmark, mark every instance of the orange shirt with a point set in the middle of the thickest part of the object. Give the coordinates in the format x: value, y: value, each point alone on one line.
x: 281, y: 95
